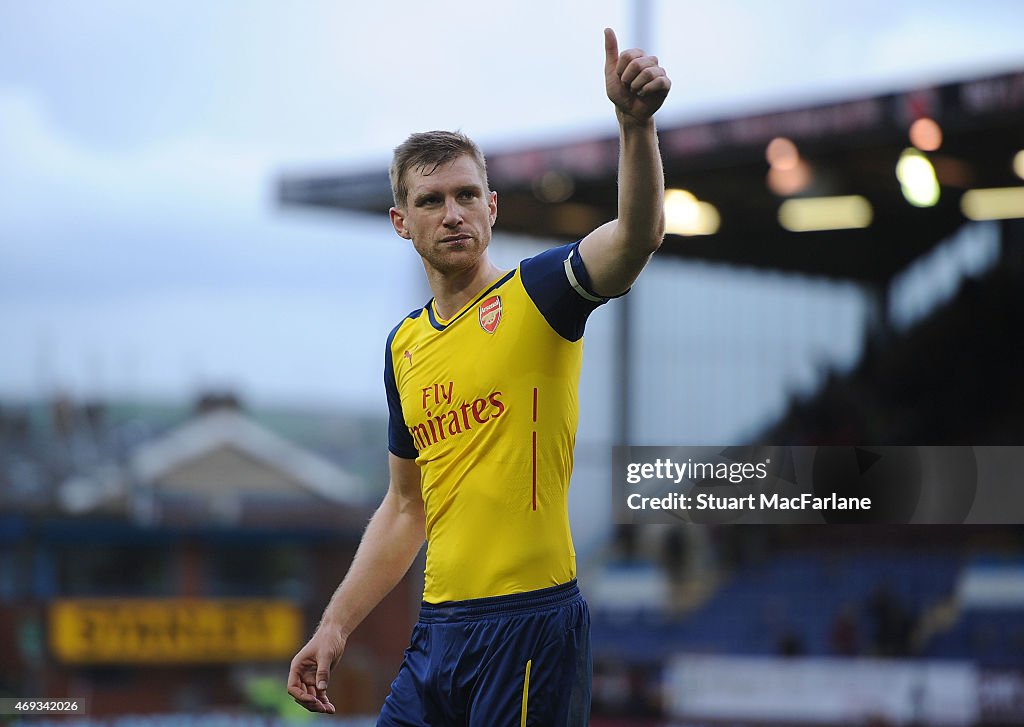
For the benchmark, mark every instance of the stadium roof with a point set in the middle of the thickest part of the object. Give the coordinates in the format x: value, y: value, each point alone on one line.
x: 850, y: 147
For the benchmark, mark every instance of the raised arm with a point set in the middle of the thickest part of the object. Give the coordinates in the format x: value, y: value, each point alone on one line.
x: 390, y: 544
x: 616, y: 252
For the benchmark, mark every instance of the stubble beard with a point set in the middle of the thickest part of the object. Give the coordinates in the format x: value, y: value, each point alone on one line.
x: 449, y: 259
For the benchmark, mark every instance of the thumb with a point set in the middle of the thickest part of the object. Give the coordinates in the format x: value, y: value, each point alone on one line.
x: 611, y: 49
x: 323, y: 672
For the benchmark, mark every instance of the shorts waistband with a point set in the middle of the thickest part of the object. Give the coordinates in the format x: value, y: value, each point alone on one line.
x: 513, y: 603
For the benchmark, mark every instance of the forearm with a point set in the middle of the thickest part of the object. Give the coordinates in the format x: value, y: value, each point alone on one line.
x: 389, y: 545
x: 641, y: 213
x: 617, y: 251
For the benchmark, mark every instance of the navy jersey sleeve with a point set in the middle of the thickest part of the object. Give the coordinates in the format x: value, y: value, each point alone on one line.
x: 399, y: 439
x: 559, y: 285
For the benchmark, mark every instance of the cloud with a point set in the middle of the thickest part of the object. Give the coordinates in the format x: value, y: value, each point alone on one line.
x: 174, y: 256
x: 186, y: 212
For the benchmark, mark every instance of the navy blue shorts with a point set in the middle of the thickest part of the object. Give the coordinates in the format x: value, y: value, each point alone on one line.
x: 506, y: 661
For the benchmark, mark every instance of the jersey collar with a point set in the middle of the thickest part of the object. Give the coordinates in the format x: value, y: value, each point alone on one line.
x: 440, y: 324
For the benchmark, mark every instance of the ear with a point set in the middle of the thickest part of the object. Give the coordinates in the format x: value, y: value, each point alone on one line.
x: 492, y: 206
x: 398, y: 221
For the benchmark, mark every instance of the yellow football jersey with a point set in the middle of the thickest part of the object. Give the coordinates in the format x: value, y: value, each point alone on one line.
x: 487, y: 404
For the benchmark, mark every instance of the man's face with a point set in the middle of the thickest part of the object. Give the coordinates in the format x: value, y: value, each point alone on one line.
x: 448, y: 215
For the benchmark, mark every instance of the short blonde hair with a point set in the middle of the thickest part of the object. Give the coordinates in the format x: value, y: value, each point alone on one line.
x: 428, y: 150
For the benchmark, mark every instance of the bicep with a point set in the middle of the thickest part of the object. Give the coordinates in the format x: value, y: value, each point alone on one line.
x: 613, y: 265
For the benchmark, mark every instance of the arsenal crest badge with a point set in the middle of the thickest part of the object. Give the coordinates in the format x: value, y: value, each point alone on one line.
x: 490, y: 313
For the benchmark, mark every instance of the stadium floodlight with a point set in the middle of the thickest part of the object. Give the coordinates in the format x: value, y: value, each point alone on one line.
x: 926, y: 134
x: 687, y: 215
x: 917, y: 178
x: 789, y: 174
x: 793, y: 180
x: 813, y: 214
x: 781, y: 153
x: 997, y: 203
x: 1018, y: 163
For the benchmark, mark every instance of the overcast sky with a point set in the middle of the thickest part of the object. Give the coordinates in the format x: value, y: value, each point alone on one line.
x: 142, y: 252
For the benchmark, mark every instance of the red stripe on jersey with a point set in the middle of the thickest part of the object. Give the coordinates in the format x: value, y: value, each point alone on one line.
x: 535, y: 470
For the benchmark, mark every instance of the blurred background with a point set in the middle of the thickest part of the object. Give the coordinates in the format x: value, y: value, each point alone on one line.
x: 197, y: 276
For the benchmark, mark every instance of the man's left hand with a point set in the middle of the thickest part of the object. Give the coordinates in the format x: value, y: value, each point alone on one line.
x: 635, y: 83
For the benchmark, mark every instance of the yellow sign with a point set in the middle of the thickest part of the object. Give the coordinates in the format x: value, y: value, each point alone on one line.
x: 161, y: 631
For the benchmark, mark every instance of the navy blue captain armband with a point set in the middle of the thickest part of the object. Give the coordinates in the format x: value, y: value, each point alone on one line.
x: 559, y: 285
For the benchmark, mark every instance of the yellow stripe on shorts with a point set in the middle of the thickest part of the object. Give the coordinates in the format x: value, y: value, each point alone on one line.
x: 526, y: 693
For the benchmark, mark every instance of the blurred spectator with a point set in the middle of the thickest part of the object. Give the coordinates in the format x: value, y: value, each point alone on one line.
x: 891, y: 622
x: 791, y: 644
x: 674, y: 554
x: 844, y: 636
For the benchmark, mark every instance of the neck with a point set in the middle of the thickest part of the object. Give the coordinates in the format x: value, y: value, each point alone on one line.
x: 452, y: 290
